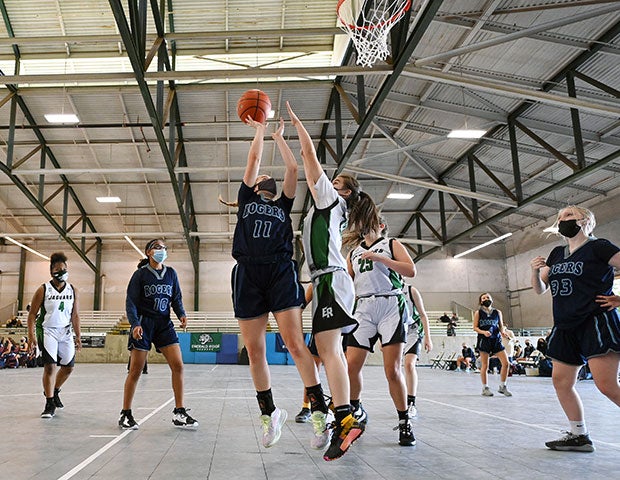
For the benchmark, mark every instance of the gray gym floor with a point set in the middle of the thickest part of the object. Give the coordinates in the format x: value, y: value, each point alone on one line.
x: 460, y: 434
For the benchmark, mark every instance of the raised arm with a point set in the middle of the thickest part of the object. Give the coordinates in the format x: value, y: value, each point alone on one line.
x: 290, y: 175
x: 255, y: 153
x: 312, y: 168
x: 540, y: 275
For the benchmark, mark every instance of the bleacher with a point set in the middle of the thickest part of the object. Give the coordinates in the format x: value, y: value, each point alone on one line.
x: 114, y: 321
x: 465, y: 325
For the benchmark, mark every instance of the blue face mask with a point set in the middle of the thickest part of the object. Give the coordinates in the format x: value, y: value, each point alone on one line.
x: 160, y: 255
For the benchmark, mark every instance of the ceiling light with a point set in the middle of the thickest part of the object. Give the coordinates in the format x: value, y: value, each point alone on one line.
x: 551, y: 230
x: 506, y: 235
x: 466, y: 133
x: 271, y: 114
x: 26, y: 248
x: 108, y: 199
x: 400, y: 196
x: 142, y: 255
x: 61, y: 118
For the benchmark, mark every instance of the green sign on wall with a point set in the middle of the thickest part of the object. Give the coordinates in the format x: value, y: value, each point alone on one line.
x: 205, y: 342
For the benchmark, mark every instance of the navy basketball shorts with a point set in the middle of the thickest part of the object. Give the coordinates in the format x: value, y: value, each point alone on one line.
x: 490, y: 345
x: 258, y: 289
x: 155, y: 331
x: 594, y: 337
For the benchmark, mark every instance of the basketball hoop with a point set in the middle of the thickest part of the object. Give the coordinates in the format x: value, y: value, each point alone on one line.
x: 369, y: 31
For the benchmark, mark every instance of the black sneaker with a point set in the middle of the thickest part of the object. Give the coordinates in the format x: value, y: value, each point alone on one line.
x: 181, y: 419
x: 50, y: 409
x: 577, y: 443
x: 343, y: 436
x: 361, y: 415
x: 126, y: 421
x: 57, y: 401
x: 303, y: 416
x: 405, y: 433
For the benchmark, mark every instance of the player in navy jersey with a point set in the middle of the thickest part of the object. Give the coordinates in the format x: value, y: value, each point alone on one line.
x: 332, y: 286
x: 265, y: 280
x: 377, y: 266
x: 489, y: 325
x: 53, y: 318
x: 586, y: 326
x: 153, y: 289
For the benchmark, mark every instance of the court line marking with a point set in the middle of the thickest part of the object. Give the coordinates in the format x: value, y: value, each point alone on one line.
x: 499, y: 417
x: 110, y: 444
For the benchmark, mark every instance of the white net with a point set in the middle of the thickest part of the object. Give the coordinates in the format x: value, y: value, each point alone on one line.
x: 368, y: 26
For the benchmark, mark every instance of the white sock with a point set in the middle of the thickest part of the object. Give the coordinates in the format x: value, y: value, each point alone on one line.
x: 578, y: 428
x: 502, y: 384
x: 485, y: 386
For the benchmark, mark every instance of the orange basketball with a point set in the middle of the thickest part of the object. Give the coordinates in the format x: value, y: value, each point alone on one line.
x: 254, y: 103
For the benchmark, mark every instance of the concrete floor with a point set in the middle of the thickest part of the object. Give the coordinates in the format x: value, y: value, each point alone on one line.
x: 460, y: 434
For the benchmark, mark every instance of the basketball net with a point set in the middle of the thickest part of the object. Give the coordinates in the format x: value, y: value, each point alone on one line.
x: 369, y: 30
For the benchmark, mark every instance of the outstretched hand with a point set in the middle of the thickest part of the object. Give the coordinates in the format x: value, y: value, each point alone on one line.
x: 253, y: 123
x: 279, y: 133
x: 294, y: 117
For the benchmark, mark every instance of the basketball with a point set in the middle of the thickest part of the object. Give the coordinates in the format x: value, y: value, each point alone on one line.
x: 254, y: 103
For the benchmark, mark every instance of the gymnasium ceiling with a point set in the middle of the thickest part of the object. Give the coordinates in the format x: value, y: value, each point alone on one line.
x: 542, y: 77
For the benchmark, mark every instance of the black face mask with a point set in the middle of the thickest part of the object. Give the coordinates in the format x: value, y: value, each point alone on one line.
x: 487, y: 303
x: 568, y: 228
x: 59, y: 275
x: 267, y: 185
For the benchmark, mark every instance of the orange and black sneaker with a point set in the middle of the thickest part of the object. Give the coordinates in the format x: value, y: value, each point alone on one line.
x: 343, y: 436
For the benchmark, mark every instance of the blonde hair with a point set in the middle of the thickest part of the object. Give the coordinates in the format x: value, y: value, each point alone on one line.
x: 587, y: 220
x: 228, y: 204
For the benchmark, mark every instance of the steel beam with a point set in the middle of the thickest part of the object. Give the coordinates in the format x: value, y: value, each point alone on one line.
x: 137, y: 64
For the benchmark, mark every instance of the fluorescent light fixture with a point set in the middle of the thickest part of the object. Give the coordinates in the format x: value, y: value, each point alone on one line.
x: 108, y: 199
x: 61, y: 118
x: 400, y: 196
x: 142, y: 255
x: 506, y: 235
x: 26, y: 248
x: 551, y: 230
x: 466, y: 133
x: 271, y: 114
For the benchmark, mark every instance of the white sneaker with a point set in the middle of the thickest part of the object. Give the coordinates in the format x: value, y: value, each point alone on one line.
x: 504, y: 390
x: 321, y: 432
x: 486, y: 392
x: 272, y: 426
x: 413, y: 412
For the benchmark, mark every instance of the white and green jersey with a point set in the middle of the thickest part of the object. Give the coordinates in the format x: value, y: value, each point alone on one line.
x: 323, y: 226
x: 57, y: 306
x: 415, y: 320
x: 375, y: 278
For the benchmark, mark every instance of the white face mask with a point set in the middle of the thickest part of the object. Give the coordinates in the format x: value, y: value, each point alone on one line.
x: 62, y: 277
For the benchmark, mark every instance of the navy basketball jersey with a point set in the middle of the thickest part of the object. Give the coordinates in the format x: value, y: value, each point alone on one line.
x: 263, y: 228
x: 489, y: 321
x: 576, y: 279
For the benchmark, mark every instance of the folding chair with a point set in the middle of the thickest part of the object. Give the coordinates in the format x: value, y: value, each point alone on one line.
x: 436, y: 362
x: 447, y: 362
